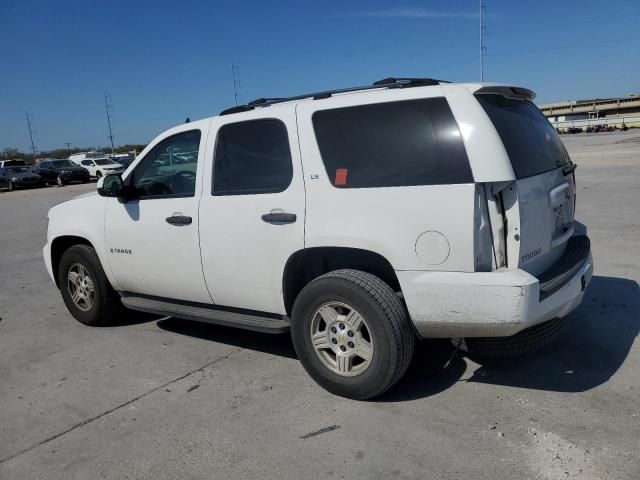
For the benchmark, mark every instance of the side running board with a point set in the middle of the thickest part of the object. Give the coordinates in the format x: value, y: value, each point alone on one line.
x: 250, y: 320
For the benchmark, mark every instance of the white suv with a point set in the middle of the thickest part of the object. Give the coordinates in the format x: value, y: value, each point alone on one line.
x: 359, y: 219
x: 100, y: 167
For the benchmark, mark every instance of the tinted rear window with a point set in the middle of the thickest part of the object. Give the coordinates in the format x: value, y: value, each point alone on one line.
x: 252, y: 157
x: 530, y: 140
x: 413, y: 142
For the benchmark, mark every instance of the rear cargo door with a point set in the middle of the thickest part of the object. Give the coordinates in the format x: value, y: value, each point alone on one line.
x: 539, y: 206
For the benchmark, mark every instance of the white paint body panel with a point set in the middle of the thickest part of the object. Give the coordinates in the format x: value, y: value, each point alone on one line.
x: 386, y: 220
x: 485, y: 304
x: 229, y: 256
x: 164, y: 259
x: 244, y: 257
x: 82, y: 217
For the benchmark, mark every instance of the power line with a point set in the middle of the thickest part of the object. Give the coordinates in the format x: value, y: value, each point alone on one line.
x: 235, y: 73
x: 33, y: 146
x: 108, y: 107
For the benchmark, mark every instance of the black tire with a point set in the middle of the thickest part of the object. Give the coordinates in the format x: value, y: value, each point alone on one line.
x: 526, y: 341
x: 107, y: 308
x: 387, y: 322
x: 60, y: 181
x: 11, y: 187
x: 98, y: 174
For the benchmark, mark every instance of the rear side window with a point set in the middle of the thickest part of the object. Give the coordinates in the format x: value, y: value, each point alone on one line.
x: 412, y: 142
x: 531, y: 142
x: 252, y: 157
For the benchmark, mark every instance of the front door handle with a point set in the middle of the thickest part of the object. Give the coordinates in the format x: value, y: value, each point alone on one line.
x: 179, y: 220
x: 279, y: 218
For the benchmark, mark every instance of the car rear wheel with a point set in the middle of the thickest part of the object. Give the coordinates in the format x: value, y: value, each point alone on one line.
x: 11, y: 187
x: 85, y: 289
x: 352, y: 334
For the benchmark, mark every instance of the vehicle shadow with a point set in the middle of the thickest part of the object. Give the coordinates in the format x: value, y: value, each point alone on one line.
x: 592, y: 347
x: 131, y: 317
x: 275, y: 344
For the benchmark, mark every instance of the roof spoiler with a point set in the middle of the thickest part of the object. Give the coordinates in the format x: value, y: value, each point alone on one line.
x: 517, y: 93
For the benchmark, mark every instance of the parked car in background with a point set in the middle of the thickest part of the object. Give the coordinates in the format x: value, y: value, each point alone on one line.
x: 4, y: 180
x: 124, y: 161
x: 62, y: 172
x: 21, y: 177
x: 99, y: 167
x: 12, y: 163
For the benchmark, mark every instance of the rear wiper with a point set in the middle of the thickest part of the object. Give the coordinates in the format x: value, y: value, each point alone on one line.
x: 569, y: 169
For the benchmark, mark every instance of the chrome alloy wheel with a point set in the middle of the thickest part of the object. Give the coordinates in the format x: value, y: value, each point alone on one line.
x: 81, y: 288
x: 341, y: 339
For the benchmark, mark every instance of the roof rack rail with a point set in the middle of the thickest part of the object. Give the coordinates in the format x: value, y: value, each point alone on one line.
x: 390, y: 82
x: 409, y: 81
x: 238, y: 109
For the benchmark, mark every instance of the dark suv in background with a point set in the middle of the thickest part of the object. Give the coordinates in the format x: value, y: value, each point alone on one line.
x: 62, y: 172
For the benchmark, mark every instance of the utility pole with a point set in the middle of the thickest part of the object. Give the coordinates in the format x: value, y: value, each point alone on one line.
x: 33, y: 147
x: 108, y: 107
x: 235, y: 73
x: 68, y: 144
x: 483, y: 31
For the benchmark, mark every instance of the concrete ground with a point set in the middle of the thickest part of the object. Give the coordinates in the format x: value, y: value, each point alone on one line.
x: 166, y: 399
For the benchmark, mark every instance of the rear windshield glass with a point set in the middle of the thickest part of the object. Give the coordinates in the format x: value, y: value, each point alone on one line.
x: 530, y: 140
x: 412, y: 142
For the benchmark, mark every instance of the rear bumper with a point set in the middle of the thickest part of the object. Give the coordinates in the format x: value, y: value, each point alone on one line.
x: 495, y: 304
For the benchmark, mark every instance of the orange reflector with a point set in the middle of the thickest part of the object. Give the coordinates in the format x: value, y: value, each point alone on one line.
x: 341, y: 176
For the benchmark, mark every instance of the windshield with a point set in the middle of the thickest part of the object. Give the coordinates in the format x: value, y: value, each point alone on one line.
x: 17, y: 169
x: 63, y: 163
x: 531, y: 142
x: 104, y: 161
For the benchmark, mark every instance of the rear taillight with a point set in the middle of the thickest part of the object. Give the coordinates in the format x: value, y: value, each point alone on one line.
x: 482, y: 238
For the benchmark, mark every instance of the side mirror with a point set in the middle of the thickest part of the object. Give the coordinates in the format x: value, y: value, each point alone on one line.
x: 110, y: 186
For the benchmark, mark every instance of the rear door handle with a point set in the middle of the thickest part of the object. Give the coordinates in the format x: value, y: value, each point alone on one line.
x: 179, y: 220
x: 279, y: 218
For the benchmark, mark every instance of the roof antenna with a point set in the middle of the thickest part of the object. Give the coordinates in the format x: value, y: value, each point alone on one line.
x: 235, y: 73
x: 483, y: 33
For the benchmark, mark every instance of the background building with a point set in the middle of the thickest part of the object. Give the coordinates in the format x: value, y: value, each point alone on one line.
x: 598, y: 111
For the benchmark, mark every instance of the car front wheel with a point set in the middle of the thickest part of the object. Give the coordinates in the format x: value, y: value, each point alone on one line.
x: 60, y: 181
x: 85, y: 289
x: 352, y: 333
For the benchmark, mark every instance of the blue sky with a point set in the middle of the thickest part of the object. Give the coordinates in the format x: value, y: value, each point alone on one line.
x: 162, y: 61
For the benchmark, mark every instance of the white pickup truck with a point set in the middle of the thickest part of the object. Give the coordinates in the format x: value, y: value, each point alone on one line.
x: 360, y: 219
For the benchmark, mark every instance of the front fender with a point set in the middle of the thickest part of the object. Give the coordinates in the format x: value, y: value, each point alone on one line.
x: 81, y: 217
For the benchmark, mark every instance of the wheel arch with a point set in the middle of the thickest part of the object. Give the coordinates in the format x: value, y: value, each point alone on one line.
x: 307, y: 264
x: 59, y: 245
